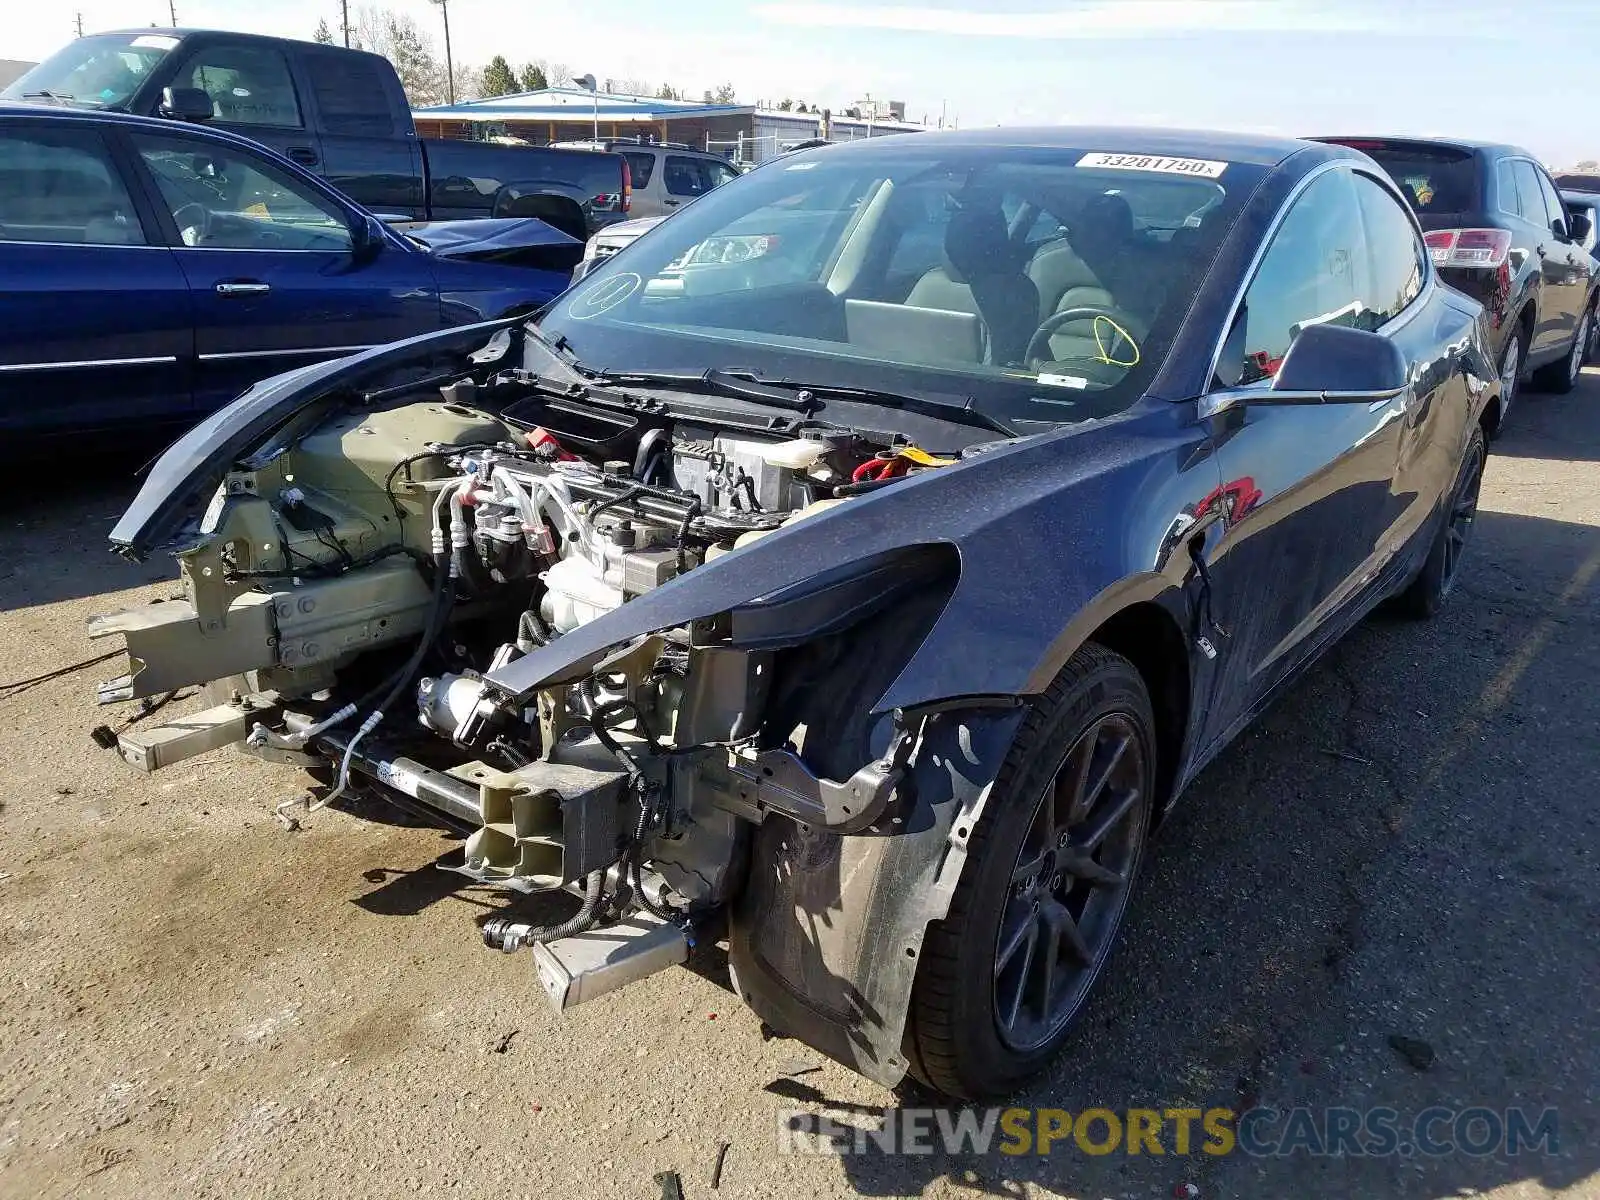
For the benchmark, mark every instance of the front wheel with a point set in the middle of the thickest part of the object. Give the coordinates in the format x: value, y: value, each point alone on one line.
x: 1050, y: 867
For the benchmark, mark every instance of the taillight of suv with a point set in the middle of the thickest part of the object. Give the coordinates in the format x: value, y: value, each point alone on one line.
x: 1486, y: 248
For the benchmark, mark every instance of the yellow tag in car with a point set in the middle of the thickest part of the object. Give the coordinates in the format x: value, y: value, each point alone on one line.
x: 258, y: 209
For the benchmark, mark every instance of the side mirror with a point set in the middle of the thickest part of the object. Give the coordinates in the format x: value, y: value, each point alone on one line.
x: 367, y: 238
x: 186, y: 104
x: 1337, y: 362
x: 1326, y: 364
x: 1579, y: 227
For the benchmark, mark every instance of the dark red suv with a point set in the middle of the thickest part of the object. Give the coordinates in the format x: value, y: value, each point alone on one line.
x: 1498, y: 230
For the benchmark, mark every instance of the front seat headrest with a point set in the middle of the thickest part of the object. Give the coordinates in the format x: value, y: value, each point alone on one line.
x: 1103, y: 222
x: 977, y: 245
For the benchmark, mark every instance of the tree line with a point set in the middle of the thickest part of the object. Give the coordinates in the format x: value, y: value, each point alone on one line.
x: 422, y: 69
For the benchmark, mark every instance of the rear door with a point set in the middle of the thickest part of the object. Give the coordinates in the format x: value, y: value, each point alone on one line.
x: 253, y: 93
x: 1569, y: 262
x: 1308, y: 489
x: 1559, y: 297
x: 270, y: 262
x: 369, y: 151
x: 95, y: 326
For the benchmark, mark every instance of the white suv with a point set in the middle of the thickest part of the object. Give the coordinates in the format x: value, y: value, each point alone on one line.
x: 666, y: 175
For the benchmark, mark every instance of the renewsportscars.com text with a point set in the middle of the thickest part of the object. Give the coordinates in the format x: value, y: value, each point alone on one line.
x: 1259, y: 1132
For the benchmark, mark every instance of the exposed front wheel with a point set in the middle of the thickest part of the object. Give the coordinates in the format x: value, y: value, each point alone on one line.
x: 1050, y: 867
x: 1434, y: 583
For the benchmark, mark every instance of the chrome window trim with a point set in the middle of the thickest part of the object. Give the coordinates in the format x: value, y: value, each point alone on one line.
x: 275, y: 353
x: 4, y: 241
x: 1271, y: 235
x: 258, y: 250
x: 90, y: 362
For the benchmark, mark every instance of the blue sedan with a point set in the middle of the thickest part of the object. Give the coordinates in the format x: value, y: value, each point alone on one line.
x: 153, y: 270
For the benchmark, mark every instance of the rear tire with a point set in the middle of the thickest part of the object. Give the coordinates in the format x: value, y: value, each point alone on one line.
x: 1050, y: 866
x: 1432, y: 586
x: 1561, y: 376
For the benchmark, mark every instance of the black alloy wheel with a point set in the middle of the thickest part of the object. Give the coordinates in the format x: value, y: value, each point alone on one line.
x: 1437, y: 579
x: 1051, y: 863
x: 1070, y: 883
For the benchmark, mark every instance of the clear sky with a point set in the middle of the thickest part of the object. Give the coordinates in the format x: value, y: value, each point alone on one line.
x: 1462, y: 67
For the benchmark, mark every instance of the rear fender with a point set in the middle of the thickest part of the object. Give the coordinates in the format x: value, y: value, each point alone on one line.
x: 825, y: 939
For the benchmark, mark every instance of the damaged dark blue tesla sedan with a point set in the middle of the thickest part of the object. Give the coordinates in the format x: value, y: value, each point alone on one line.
x: 857, y: 566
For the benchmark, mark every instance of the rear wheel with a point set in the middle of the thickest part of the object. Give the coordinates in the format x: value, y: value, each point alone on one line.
x: 1434, y: 583
x: 1050, y: 867
x: 1510, y: 377
x: 1562, y: 376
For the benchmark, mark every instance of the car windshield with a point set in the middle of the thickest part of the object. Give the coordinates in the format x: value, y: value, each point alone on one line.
x: 1033, y: 283
x: 102, y: 71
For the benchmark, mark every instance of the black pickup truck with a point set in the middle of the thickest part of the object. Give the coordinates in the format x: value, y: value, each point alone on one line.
x: 339, y: 112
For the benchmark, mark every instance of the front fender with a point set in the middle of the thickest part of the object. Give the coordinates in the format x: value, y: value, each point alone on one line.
x: 1042, y: 527
x: 823, y: 943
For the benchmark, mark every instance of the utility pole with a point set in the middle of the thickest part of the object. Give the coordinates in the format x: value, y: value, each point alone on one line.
x: 449, y: 65
x: 344, y: 21
x: 80, y: 24
x: 172, y: 11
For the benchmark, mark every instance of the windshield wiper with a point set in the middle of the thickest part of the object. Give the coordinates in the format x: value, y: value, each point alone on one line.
x: 960, y: 414
x: 715, y: 381
x: 59, y: 97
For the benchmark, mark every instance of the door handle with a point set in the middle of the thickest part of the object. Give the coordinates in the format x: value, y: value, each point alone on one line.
x: 304, y: 155
x: 243, y: 288
x: 671, y: 203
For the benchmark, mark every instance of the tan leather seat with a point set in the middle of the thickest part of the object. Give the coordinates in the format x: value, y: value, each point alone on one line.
x: 982, y: 274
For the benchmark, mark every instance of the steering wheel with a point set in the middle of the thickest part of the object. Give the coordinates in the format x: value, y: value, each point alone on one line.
x: 1039, y: 345
x: 200, y: 222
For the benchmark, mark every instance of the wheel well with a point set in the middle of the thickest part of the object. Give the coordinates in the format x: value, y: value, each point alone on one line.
x: 1148, y: 637
x: 1526, y: 320
x: 557, y: 211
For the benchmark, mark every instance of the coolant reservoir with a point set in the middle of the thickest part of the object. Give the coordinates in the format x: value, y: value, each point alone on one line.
x: 576, y: 593
x: 798, y: 455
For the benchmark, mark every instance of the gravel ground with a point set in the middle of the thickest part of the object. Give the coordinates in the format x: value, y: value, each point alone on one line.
x: 198, y: 1003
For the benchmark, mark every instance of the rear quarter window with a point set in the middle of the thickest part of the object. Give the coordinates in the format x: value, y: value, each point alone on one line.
x: 352, y: 94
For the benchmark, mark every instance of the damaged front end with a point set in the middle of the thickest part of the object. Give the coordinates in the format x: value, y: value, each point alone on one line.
x: 586, y: 628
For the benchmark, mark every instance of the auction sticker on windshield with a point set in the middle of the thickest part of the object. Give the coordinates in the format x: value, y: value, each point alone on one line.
x: 1199, y: 168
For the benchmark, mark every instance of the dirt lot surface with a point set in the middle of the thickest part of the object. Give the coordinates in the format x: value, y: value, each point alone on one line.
x: 194, y: 1002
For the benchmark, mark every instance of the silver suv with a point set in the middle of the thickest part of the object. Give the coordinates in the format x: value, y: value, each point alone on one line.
x: 665, y: 175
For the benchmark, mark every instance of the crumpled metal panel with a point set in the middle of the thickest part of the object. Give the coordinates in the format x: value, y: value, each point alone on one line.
x: 825, y: 940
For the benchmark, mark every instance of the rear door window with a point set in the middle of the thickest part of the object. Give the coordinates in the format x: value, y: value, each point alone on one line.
x: 248, y: 84
x: 63, y: 187
x: 1531, y: 199
x: 1555, y: 212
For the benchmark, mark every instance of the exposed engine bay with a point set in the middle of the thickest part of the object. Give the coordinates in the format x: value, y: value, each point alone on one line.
x: 355, y: 580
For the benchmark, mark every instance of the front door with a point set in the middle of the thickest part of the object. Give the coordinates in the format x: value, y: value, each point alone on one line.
x: 253, y: 94
x: 1309, y: 489
x: 271, y: 265
x: 94, y: 312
